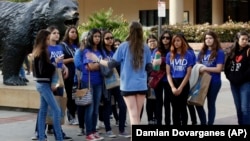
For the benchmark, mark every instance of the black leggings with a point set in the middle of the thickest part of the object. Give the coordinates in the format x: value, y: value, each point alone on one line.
x: 71, y: 106
x: 179, y: 104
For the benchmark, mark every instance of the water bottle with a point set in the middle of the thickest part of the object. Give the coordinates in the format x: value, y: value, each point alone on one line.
x: 157, y: 56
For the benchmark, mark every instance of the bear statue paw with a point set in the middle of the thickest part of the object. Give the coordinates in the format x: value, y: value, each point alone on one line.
x: 15, y: 81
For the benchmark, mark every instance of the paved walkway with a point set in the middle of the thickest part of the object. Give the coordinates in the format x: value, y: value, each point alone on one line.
x: 17, y: 125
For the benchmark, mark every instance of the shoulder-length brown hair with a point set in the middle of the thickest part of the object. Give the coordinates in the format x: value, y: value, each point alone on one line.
x: 173, y: 50
x: 136, y: 44
x: 215, y: 46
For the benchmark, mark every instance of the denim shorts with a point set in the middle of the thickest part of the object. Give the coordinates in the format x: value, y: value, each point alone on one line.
x: 128, y: 93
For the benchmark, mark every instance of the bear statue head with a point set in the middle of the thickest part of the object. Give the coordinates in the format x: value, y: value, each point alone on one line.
x: 61, y: 13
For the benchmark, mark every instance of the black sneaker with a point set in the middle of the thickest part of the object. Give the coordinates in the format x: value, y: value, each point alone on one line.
x: 50, y: 132
x: 66, y: 138
x: 81, y: 133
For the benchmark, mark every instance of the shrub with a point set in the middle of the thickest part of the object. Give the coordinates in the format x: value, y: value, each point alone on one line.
x: 106, y: 20
x: 194, y: 33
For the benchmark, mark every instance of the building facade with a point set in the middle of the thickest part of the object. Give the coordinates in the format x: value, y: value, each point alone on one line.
x: 177, y: 11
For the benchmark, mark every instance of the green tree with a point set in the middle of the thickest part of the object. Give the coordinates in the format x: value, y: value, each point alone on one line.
x: 106, y: 20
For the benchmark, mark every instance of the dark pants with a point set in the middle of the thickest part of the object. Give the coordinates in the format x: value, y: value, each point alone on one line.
x: 80, y: 115
x: 212, y: 94
x: 163, y: 93
x: 241, y: 95
x: 106, y: 112
x: 107, y: 109
x: 122, y: 107
x: 114, y: 107
x: 179, y: 104
x: 151, y: 110
x: 192, y: 113
x: 71, y: 106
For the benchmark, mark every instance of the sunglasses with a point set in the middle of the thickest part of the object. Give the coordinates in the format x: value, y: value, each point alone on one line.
x: 165, y: 37
x: 108, y: 38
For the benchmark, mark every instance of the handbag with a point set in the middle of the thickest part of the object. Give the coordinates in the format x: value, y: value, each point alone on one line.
x: 155, y: 77
x: 106, y: 71
x: 57, y: 78
x: 84, y: 96
x: 61, y: 101
x: 112, y: 81
x: 198, y: 93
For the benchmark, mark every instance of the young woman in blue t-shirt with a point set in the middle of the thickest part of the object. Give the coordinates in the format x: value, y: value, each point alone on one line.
x: 212, y: 56
x: 178, y: 66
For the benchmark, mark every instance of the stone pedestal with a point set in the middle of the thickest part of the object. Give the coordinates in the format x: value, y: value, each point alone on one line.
x: 19, y: 96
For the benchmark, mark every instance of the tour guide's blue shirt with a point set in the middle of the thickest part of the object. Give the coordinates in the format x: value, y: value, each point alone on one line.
x: 95, y: 76
x: 132, y: 80
x: 218, y: 60
x: 179, y: 65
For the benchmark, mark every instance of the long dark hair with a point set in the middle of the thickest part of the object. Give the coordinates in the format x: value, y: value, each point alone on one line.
x: 90, y: 41
x: 161, y: 46
x: 103, y: 42
x: 52, y: 28
x: 215, y: 47
x: 66, y: 36
x: 40, y: 44
x: 236, y: 45
x: 136, y: 44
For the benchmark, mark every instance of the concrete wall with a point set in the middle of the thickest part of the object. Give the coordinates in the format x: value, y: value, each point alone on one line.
x: 128, y: 8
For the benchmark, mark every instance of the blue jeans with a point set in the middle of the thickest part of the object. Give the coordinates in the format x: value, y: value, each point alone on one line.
x: 241, y: 95
x: 212, y: 94
x: 92, y: 110
x: 47, y: 99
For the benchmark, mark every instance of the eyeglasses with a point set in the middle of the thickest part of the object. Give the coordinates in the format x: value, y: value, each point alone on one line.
x: 165, y: 37
x: 108, y: 38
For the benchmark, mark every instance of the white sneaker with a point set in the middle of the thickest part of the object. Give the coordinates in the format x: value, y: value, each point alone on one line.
x: 34, y: 138
x: 97, y: 136
x: 97, y: 127
x: 73, y: 122
x: 101, y: 124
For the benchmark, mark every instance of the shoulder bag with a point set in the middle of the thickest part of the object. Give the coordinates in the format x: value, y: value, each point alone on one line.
x: 84, y: 96
x: 155, y: 77
x: 61, y: 101
x: 198, y: 93
x: 113, y: 80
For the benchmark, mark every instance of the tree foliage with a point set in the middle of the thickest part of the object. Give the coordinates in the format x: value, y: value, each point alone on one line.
x: 104, y: 19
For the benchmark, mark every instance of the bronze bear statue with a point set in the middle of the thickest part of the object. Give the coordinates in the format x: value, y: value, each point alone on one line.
x: 20, y: 23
